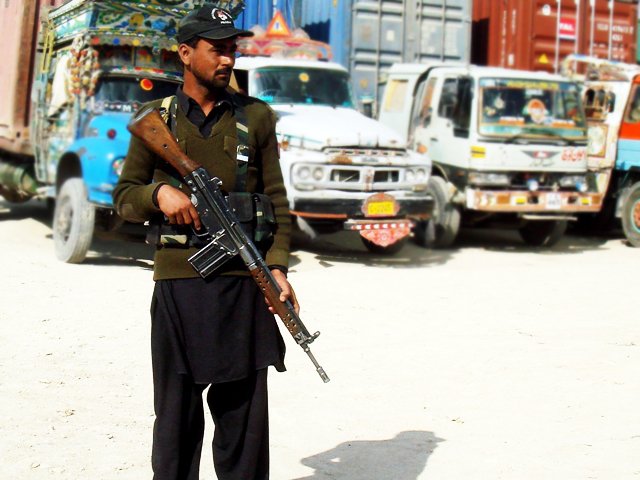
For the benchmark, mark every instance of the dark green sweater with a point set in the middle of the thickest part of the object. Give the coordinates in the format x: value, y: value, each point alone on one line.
x: 133, y: 195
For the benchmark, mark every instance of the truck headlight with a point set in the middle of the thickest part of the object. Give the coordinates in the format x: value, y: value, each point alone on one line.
x: 579, y: 182
x: 308, y: 173
x: 303, y: 173
x: 117, y: 166
x: 489, y: 179
x: 419, y: 174
x: 318, y: 173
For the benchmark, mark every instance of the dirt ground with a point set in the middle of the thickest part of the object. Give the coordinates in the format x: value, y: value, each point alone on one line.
x: 490, y: 360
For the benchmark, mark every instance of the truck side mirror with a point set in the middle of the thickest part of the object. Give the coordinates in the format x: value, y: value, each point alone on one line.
x: 367, y: 107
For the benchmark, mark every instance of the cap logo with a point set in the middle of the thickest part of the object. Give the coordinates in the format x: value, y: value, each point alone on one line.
x: 221, y: 15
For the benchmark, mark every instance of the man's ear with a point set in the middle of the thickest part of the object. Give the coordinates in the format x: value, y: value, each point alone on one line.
x: 184, y: 51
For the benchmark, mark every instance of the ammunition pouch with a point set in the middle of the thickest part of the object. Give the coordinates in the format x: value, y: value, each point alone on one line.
x: 253, y: 210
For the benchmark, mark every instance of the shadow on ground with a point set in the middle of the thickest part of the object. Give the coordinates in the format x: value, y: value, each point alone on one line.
x: 346, y: 247
x: 508, y: 240
x: 403, y: 457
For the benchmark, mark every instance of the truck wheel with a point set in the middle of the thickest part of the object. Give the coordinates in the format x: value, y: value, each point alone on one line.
x: 543, y: 233
x: 631, y: 215
x: 442, y: 229
x: 389, y: 250
x: 73, y: 222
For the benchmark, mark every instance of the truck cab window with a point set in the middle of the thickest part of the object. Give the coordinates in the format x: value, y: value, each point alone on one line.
x: 422, y: 109
x: 448, y: 98
x: 395, y: 98
x: 455, y: 104
x: 633, y: 112
x: 462, y: 115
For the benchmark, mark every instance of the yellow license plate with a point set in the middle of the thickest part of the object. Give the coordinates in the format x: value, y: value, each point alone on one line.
x: 380, y: 208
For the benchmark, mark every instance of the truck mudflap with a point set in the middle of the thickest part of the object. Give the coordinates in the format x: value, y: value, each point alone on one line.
x: 529, y: 202
x: 381, y: 232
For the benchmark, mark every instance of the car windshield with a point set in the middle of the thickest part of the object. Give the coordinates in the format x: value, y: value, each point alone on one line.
x: 299, y: 85
x: 124, y: 93
x: 530, y: 108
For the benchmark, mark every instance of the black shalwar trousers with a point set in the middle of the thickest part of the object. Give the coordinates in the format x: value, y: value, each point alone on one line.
x: 217, y: 333
x: 241, y: 436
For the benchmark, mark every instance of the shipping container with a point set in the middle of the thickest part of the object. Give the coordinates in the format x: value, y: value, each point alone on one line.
x: 368, y: 36
x: 260, y: 12
x: 19, y: 24
x: 539, y: 34
x: 329, y: 22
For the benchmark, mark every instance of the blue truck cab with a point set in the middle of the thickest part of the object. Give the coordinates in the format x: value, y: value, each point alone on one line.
x: 99, y: 61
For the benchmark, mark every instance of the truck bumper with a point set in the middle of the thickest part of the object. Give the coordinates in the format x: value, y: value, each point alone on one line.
x: 344, y: 209
x: 524, y: 201
x: 382, y: 229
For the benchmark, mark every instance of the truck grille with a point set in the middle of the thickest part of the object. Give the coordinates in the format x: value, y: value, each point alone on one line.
x: 365, y: 178
x: 364, y: 169
x: 366, y: 152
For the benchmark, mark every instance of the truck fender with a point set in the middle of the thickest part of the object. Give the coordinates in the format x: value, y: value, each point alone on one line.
x: 96, y: 157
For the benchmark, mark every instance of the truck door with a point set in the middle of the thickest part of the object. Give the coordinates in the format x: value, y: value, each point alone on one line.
x: 449, y: 139
x: 421, y: 115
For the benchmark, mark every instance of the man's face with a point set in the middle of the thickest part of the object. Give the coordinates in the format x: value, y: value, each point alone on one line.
x: 210, y: 61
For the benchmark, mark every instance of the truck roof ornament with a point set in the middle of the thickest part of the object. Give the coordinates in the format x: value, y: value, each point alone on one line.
x: 583, y: 67
x: 279, y: 41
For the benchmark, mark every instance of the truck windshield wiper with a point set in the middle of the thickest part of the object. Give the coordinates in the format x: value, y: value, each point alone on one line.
x: 547, y: 132
x: 554, y: 133
x: 517, y: 136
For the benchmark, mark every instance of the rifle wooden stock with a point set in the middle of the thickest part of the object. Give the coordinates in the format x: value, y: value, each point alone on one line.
x: 149, y: 127
x: 272, y: 293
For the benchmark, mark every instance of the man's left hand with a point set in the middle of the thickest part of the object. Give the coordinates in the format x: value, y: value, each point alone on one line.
x: 287, y: 291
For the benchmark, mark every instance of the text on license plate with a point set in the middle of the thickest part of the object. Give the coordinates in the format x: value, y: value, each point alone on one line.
x: 553, y: 201
x: 380, y: 208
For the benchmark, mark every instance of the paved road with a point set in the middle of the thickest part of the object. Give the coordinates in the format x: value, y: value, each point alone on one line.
x: 490, y: 360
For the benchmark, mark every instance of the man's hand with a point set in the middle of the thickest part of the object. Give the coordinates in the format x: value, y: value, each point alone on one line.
x: 287, y: 291
x: 177, y: 207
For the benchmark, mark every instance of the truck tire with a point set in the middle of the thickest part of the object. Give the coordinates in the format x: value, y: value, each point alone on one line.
x: 442, y: 229
x: 389, y: 250
x: 631, y: 215
x: 543, y: 233
x: 73, y: 222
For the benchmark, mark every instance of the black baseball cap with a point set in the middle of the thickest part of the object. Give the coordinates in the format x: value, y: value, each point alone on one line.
x: 209, y: 22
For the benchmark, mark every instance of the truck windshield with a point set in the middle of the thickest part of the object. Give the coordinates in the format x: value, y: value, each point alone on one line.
x: 530, y: 108
x: 299, y: 85
x: 113, y: 93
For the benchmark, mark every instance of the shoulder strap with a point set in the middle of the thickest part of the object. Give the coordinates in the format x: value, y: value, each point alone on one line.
x: 242, y: 152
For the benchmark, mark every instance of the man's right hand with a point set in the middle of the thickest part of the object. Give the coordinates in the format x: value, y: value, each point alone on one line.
x: 177, y: 207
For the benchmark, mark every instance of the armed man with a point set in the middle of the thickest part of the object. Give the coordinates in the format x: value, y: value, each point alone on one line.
x: 216, y: 331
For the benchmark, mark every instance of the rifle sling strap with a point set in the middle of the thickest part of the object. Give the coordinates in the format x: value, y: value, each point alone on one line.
x: 168, y: 110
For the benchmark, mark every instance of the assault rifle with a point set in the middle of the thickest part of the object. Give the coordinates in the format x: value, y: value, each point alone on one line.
x: 222, y: 230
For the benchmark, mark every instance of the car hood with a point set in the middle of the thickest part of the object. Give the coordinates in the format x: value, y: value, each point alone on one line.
x: 315, y: 127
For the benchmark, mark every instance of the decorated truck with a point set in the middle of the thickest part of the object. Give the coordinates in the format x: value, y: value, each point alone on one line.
x: 342, y: 169
x: 611, y: 96
x: 76, y: 74
x: 507, y: 146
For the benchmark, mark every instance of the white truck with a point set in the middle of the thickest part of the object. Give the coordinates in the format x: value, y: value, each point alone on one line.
x: 506, y: 145
x: 342, y: 169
